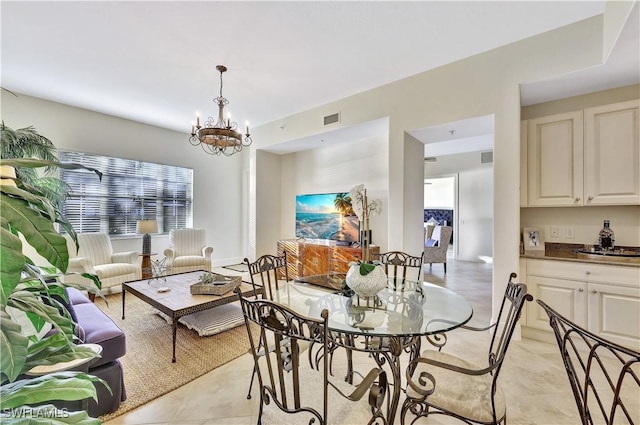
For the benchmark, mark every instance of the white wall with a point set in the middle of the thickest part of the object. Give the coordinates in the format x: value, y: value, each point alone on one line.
x: 413, y: 199
x: 217, y: 181
x: 440, y: 193
x: 268, y: 219
x: 475, y: 214
x: 586, y: 222
x: 336, y: 168
x: 453, y: 164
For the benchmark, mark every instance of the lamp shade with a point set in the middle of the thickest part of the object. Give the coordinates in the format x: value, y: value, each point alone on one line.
x: 146, y: 226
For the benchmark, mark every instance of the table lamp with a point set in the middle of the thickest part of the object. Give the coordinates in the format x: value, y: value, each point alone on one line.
x: 145, y: 227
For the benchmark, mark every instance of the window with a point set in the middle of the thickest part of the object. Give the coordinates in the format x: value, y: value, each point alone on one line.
x: 129, y: 191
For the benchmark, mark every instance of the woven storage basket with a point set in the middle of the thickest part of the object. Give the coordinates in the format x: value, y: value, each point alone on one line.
x: 220, y: 286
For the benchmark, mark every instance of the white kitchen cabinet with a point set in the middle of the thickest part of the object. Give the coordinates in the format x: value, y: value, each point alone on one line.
x: 555, y: 160
x: 602, y: 298
x: 612, y: 154
x: 615, y: 313
x: 586, y: 157
x: 567, y: 297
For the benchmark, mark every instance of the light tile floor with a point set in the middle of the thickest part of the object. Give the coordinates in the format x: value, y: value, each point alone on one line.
x: 537, y: 389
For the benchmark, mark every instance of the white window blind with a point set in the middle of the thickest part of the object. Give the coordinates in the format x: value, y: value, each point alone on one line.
x: 129, y: 191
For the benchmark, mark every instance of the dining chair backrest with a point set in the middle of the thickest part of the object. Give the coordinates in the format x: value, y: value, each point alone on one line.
x: 278, y: 368
x: 289, y: 386
x: 266, y: 271
x: 515, y: 295
x: 604, y: 376
x: 399, y: 266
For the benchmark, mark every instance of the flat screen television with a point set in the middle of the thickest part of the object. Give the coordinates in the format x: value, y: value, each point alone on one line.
x: 327, y: 216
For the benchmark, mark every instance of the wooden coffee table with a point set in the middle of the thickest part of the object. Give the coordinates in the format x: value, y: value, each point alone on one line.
x: 173, y: 297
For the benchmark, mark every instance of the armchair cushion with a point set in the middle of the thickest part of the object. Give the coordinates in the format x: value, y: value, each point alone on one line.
x: 431, y: 242
x: 107, y: 271
x: 189, y: 260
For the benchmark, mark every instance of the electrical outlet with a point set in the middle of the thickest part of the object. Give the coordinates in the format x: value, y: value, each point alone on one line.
x: 569, y: 232
x: 554, y: 232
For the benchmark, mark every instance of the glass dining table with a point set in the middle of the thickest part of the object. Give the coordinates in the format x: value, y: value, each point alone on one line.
x: 385, y: 326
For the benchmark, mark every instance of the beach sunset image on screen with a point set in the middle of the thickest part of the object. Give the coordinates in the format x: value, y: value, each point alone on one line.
x: 326, y: 216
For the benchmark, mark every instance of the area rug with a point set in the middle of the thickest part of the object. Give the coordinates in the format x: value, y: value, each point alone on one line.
x: 148, y: 371
x: 237, y: 267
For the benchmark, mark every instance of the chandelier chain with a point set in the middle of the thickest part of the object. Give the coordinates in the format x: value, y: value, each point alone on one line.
x: 221, y: 84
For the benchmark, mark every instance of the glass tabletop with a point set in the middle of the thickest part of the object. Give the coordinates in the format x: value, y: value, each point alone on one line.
x: 419, y: 309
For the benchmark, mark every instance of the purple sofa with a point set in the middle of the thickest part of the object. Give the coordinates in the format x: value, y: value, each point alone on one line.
x: 97, y: 328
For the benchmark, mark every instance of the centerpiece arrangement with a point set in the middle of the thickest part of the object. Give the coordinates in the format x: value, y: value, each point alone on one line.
x: 215, y: 284
x: 365, y: 277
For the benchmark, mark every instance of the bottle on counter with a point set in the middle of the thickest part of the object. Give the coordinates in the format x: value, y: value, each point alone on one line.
x: 606, y: 237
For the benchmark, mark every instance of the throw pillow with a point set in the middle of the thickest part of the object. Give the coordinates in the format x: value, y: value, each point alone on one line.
x: 431, y: 242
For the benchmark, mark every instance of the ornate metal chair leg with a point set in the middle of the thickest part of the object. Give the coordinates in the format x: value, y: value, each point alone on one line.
x: 253, y: 375
x: 349, y: 377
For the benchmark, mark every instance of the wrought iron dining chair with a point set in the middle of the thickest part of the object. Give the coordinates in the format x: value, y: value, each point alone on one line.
x: 399, y: 266
x: 604, y: 376
x: 288, y: 386
x: 265, y: 273
x: 441, y: 383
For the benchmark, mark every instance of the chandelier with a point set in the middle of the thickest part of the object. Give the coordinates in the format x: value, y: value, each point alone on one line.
x: 219, y: 137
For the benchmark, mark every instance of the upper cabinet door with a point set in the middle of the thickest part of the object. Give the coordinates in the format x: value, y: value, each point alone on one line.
x: 612, y: 154
x: 555, y: 160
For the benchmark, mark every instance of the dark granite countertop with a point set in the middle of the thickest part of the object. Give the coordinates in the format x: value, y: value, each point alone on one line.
x: 569, y: 252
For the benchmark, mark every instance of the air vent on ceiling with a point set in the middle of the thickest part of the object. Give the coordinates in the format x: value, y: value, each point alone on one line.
x: 332, y: 119
x: 486, y: 157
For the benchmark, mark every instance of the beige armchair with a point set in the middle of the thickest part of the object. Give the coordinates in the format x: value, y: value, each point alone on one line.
x: 436, y: 246
x: 188, y: 251
x: 96, y: 256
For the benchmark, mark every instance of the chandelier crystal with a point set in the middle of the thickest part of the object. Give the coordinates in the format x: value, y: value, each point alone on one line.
x: 219, y: 137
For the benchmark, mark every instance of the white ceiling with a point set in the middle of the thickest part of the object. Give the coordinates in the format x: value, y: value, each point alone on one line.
x: 154, y: 62
x: 621, y: 68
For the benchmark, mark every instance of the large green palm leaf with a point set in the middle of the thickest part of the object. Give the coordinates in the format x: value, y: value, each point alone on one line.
x: 30, y: 207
